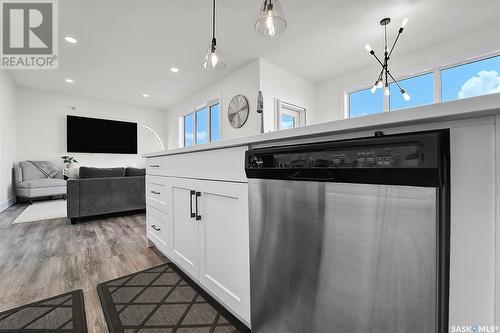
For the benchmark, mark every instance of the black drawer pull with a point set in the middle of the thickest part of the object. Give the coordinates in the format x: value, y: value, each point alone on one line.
x: 198, y: 216
x: 155, y: 227
x: 154, y: 166
x: 191, y: 193
x: 155, y: 192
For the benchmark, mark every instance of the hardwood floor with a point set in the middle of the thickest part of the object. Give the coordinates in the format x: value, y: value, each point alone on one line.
x: 46, y: 258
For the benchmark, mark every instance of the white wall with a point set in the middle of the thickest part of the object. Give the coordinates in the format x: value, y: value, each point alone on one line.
x: 275, y: 83
x: 330, y: 92
x: 7, y: 138
x: 279, y: 83
x: 244, y: 81
x: 41, y: 127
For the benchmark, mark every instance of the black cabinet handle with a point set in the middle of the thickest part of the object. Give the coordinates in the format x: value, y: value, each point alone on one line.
x: 154, y: 192
x: 154, y: 166
x: 198, y: 216
x: 154, y: 227
x: 191, y: 203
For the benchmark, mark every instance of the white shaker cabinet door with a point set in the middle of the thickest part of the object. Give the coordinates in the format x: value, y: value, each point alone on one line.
x: 184, y: 232
x: 224, y: 243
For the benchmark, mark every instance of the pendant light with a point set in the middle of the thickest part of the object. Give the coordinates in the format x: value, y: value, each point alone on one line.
x: 213, y: 60
x: 383, y: 78
x: 271, y: 21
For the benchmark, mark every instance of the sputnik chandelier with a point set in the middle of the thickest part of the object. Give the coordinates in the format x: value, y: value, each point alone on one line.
x: 385, y: 74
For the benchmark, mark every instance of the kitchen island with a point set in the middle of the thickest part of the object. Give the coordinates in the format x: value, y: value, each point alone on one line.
x: 197, y: 199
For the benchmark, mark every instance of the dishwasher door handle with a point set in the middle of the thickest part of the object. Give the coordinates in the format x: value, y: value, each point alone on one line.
x: 296, y: 176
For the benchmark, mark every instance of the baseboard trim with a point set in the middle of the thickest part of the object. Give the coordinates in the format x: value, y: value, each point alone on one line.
x: 6, y: 204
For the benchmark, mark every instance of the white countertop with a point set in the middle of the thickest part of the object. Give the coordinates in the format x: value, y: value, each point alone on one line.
x: 454, y: 110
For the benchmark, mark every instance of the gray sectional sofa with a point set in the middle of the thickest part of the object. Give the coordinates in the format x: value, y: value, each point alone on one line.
x: 104, y: 191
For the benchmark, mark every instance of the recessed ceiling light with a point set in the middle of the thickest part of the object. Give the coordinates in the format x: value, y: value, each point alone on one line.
x: 70, y: 39
x: 69, y: 81
x: 174, y: 69
x: 145, y: 95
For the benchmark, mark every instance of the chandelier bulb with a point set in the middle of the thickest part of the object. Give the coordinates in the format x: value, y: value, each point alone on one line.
x: 374, y: 88
x: 387, y: 91
x: 368, y: 48
x: 406, y: 96
x: 404, y: 23
x: 380, y: 84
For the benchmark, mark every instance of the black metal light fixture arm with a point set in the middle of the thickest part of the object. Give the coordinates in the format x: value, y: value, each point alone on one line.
x: 395, y: 41
x: 380, y: 62
x: 393, y: 79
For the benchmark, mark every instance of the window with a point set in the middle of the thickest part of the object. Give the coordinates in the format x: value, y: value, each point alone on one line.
x: 215, y: 122
x: 363, y: 102
x: 472, y: 79
x: 289, y: 115
x: 189, y: 130
x: 287, y: 121
x: 421, y: 89
x: 201, y: 126
x: 480, y: 77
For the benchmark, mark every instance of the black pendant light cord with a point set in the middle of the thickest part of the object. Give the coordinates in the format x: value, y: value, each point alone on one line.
x: 213, y: 21
x: 214, y: 40
x: 386, y: 59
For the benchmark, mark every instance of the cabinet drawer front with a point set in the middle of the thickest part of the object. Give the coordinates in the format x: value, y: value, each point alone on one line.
x: 157, y: 227
x: 223, y: 164
x: 155, y: 166
x: 158, y: 193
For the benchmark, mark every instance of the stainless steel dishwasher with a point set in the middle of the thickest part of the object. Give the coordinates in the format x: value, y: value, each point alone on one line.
x: 350, y: 236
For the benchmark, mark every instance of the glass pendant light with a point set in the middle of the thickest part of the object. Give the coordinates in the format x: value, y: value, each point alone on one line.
x: 271, y: 21
x: 213, y: 59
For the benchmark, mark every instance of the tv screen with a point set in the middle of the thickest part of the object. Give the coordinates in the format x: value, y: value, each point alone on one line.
x: 90, y: 135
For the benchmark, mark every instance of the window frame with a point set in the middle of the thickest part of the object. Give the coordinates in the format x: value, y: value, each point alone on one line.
x: 464, y: 62
x: 436, y: 70
x: 297, y: 112
x: 208, y: 106
x: 347, y: 102
x: 414, y: 75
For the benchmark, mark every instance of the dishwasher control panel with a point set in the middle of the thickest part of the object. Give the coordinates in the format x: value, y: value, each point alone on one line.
x: 409, y: 151
x: 415, y: 159
x: 407, y: 156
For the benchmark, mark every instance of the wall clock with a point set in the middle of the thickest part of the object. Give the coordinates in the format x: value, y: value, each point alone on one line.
x: 237, y: 111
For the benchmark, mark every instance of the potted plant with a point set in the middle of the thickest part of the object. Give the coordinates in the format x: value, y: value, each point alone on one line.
x: 68, y: 161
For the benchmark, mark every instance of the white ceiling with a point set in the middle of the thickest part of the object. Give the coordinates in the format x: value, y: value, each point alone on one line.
x: 126, y: 47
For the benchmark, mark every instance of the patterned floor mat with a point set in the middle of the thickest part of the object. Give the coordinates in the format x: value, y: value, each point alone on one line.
x: 62, y: 313
x: 163, y: 299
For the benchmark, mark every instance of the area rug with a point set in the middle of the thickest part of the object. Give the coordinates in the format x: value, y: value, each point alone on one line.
x: 163, y: 299
x: 62, y: 313
x: 43, y: 210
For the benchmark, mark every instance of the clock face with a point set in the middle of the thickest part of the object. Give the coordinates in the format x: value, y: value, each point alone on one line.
x: 237, y: 112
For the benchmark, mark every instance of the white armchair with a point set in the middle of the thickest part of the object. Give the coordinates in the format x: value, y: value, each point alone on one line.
x: 31, y: 183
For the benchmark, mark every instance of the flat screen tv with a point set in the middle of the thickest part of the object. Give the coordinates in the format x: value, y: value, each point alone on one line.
x: 91, y: 135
